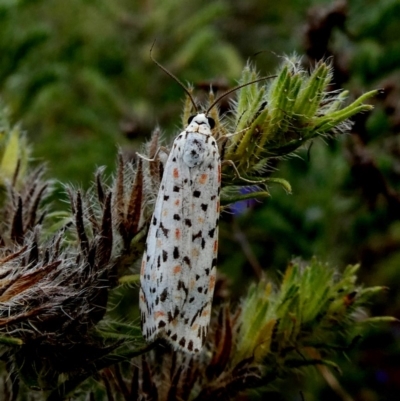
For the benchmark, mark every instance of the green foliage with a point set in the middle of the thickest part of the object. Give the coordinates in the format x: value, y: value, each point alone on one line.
x: 314, y: 307
x: 280, y: 118
x: 14, y: 151
x: 57, y: 330
x: 76, y: 88
x: 80, y: 78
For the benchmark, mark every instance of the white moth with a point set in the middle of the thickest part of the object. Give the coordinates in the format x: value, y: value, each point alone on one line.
x: 178, y: 269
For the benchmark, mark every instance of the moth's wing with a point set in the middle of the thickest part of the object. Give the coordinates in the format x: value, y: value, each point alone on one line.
x: 179, y: 264
x: 194, y: 281
x: 157, y: 282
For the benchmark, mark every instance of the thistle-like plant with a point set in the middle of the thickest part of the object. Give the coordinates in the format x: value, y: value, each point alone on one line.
x: 59, y: 334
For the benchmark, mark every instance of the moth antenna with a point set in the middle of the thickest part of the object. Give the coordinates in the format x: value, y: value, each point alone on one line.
x: 260, y: 52
x: 235, y: 89
x: 173, y: 77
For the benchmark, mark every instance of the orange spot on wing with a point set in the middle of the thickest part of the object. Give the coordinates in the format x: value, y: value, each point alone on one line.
x: 205, y: 312
x: 195, y: 327
x: 203, y: 179
x: 159, y: 314
x: 159, y: 243
x: 200, y: 220
x: 142, y: 268
x: 176, y: 173
x: 215, y: 246
x: 211, y: 285
x: 218, y: 207
x: 177, y: 233
x: 177, y: 202
x: 177, y: 269
x: 195, y: 252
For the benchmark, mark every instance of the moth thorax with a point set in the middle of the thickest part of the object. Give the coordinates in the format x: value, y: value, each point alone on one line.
x: 194, y: 149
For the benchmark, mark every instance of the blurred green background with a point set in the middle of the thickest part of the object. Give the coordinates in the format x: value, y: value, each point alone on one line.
x: 78, y: 76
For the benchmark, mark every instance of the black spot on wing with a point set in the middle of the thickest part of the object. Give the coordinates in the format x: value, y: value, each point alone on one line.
x: 182, y: 286
x: 195, y: 236
x: 164, y: 230
x: 203, y: 334
x: 163, y: 295
x: 198, y: 313
x: 204, y: 207
x: 186, y: 260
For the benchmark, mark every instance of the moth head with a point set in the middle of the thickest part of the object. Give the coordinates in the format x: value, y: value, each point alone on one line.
x: 202, y: 119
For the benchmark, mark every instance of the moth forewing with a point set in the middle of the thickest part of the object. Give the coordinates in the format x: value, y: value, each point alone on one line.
x: 179, y: 264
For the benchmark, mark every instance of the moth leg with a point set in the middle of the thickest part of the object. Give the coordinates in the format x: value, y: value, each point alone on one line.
x: 161, y: 148
x: 227, y: 136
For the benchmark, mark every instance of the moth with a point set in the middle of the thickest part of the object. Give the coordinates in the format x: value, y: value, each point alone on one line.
x: 178, y: 270
x: 179, y: 263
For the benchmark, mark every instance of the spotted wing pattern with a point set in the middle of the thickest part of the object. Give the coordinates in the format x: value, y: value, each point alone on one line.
x: 179, y: 264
